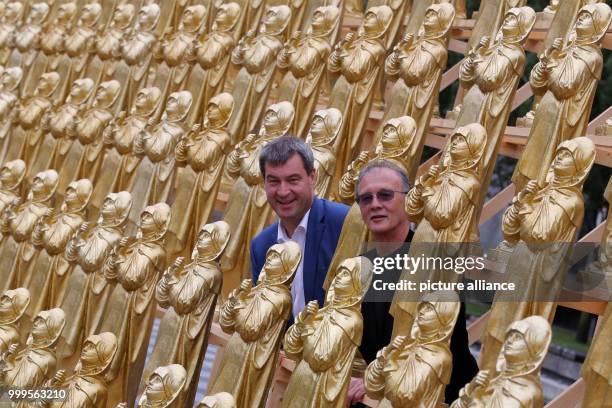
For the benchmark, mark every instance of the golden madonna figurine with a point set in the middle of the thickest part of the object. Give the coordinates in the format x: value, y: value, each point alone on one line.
x: 415, y: 369
x: 79, y: 41
x: 324, y: 129
x: 164, y: 388
x: 304, y: 57
x: 17, y: 223
x: 257, y: 317
x: 200, y: 155
x: 86, y: 387
x: 359, y: 60
x: 218, y: 400
x: 257, y: 54
x: 10, y: 82
x: 189, y: 293
x: 515, y: 380
x: 87, y: 289
x: 13, y: 305
x: 9, y: 24
x: 12, y: 175
x: 27, y: 37
x: 136, y: 266
x: 567, y: 76
x: 248, y: 211
x: 324, y: 341
x: 52, y: 40
x: 541, y: 225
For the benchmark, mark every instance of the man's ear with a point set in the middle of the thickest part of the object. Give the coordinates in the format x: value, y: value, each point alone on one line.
x: 313, y: 175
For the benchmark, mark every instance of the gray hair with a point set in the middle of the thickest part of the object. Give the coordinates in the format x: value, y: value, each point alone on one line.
x: 383, y: 164
x: 280, y: 150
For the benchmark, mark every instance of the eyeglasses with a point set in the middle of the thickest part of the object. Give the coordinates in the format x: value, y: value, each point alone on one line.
x: 383, y: 195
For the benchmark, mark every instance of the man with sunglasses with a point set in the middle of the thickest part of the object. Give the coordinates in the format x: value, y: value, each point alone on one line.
x: 380, y: 193
x: 287, y: 167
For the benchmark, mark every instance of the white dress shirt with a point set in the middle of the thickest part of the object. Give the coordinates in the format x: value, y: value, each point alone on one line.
x: 299, y: 236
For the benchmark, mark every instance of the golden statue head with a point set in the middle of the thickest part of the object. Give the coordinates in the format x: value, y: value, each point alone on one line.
x: 226, y: 17
x: 81, y: 90
x: 163, y: 386
x: 592, y: 23
x: 376, y: 21
x: 47, y: 84
x: 148, y: 17
x: 147, y: 100
x: 517, y: 24
x: 525, y: 346
x: 178, y: 105
x: 47, y: 327
x: 219, y: 400
x: 351, y: 282
x: 154, y: 221
x: 325, y: 127
x: 467, y: 146
x: 438, y: 19
x: 13, y: 12
x: 77, y: 195
x: 90, y: 14
x: 219, y: 110
x: 324, y: 20
x: 281, y: 262
x: 573, y: 161
x: 65, y: 13
x: 123, y: 15
x: 115, y: 209
x: 43, y: 185
x: 275, y: 20
x: 397, y: 137
x: 97, y: 353
x: 107, y: 93
x: 436, y: 316
x: 212, y: 240
x: 38, y: 13
x: 11, y: 78
x: 278, y: 119
x: 13, y: 304
x: 193, y: 18
x: 12, y: 174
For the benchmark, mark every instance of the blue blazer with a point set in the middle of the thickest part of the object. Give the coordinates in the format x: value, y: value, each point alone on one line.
x: 324, y: 225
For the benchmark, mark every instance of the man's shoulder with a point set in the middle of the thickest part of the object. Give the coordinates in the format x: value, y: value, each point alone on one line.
x: 333, y: 212
x: 267, y: 237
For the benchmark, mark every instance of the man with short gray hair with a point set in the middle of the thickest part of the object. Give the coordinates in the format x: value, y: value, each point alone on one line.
x: 287, y: 167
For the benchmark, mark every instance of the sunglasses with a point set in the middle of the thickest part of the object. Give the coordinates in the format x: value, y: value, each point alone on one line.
x: 383, y: 195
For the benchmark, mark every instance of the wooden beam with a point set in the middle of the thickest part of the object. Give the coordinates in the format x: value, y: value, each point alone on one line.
x: 571, y: 397
x: 476, y: 329
x: 497, y: 203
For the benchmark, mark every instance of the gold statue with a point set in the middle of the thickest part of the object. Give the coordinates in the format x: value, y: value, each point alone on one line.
x: 417, y: 64
x: 27, y: 37
x: 11, y: 179
x: 248, y: 211
x: 415, y: 369
x: 189, y: 293
x: 324, y: 129
x: 257, y: 317
x: 86, y: 387
x: 212, y: 52
x: 324, y: 341
x: 541, y: 225
x: 79, y: 41
x: 358, y: 59
x: 596, y: 369
x: 136, y: 266
x: 17, y: 223
x: 257, y: 54
x: 10, y: 81
x: 164, y: 388
x: 156, y: 143
x: 87, y: 289
x: 515, y: 381
x: 200, y: 155
x: 400, y: 9
x: 28, y: 136
x: 13, y: 304
x: 52, y: 41
x: 9, y: 24
x: 567, y: 76
x: 45, y: 273
x: 138, y: 46
x: 491, y: 72
x: 304, y: 57
x: 218, y: 400
x: 32, y: 366
x: 445, y: 202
